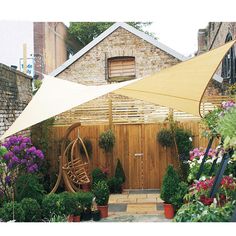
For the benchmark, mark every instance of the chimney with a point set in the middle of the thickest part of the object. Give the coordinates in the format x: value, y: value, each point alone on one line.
x: 202, y: 41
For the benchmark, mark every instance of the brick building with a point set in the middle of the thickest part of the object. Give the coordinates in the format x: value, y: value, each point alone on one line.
x: 52, y: 46
x: 120, y: 53
x: 215, y: 35
x: 15, y: 94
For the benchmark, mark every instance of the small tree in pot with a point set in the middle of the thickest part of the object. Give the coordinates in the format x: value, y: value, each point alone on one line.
x: 169, y: 187
x: 101, y: 192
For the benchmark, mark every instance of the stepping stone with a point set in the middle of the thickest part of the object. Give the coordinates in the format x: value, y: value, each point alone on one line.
x: 147, y: 200
x: 117, y: 207
x: 137, y: 196
x: 141, y: 208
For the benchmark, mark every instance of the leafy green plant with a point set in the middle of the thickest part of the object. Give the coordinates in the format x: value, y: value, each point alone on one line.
x: 28, y: 186
x: 169, y: 184
x: 183, y: 141
x: 101, y: 192
x: 119, y: 172
x: 32, y: 210
x: 198, y: 212
x: 7, y: 212
x: 107, y: 140
x: 178, y: 198
x: 52, y: 205
x: 88, y: 145
x: 84, y: 199
x: 165, y: 138
x: 115, y: 185
x: 98, y: 175
x: 58, y: 218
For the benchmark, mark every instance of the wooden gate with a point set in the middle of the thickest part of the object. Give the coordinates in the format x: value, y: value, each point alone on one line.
x: 143, y: 159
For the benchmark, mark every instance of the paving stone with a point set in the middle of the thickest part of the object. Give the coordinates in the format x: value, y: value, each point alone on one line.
x: 128, y: 200
x: 147, y: 200
x: 117, y: 207
x: 137, y: 196
x: 153, y: 195
x: 159, y: 206
x: 117, y: 196
x: 142, y: 191
x: 141, y: 208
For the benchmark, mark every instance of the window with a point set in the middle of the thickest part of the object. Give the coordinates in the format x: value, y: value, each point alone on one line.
x: 229, y: 64
x: 121, y: 68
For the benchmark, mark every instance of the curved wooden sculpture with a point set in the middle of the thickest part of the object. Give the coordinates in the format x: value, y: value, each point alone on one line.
x: 73, y: 168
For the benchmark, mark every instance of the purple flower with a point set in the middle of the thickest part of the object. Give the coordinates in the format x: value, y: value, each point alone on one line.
x: 39, y: 153
x: 22, y: 146
x: 8, y: 180
x: 33, y: 168
x: 16, y: 149
x: 15, y: 159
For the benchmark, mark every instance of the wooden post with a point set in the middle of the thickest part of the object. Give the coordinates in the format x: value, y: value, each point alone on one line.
x: 25, y: 57
x: 110, y: 113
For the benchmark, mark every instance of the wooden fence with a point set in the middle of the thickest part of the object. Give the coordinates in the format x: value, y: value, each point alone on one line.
x: 143, y: 159
x: 118, y: 109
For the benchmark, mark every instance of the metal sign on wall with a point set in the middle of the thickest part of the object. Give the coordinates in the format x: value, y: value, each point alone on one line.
x: 29, y: 67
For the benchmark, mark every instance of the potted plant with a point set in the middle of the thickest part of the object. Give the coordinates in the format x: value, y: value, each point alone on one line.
x: 165, y: 138
x: 169, y: 187
x: 107, y: 140
x: 95, y: 212
x: 120, y: 174
x: 77, y: 212
x: 115, y: 185
x: 101, y: 192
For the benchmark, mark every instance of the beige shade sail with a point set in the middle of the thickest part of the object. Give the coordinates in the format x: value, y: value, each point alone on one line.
x: 180, y: 87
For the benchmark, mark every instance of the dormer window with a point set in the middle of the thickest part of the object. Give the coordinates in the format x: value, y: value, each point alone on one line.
x: 121, y: 69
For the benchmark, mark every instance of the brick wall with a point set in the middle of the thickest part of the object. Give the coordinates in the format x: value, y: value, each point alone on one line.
x: 15, y: 94
x: 91, y: 67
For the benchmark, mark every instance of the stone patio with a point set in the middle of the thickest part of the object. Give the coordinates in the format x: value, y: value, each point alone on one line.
x: 136, y: 206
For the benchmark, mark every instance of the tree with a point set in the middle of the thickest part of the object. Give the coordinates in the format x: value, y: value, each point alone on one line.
x: 85, y: 32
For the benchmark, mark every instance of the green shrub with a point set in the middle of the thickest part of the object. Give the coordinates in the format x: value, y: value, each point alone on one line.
x: 52, y: 205
x: 70, y: 203
x: 84, y: 199
x: 58, y: 218
x: 32, y: 210
x: 7, y: 212
x: 115, y: 185
x: 169, y: 184
x: 165, y: 138
x: 88, y: 146
x: 183, y: 141
x: 28, y: 186
x: 198, y: 212
x: 107, y: 140
x: 101, y: 192
x: 119, y: 171
x: 98, y: 175
x: 178, y: 198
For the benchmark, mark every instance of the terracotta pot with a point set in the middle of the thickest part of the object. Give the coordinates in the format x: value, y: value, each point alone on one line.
x: 70, y: 218
x: 103, y: 211
x: 86, y: 187
x: 169, y: 210
x: 76, y: 219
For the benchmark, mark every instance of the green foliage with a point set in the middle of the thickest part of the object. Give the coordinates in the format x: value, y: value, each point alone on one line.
x: 58, y: 218
x: 32, y: 210
x: 52, y: 205
x: 85, y: 32
x: 183, y: 141
x: 70, y: 203
x: 178, y: 198
x: 227, y: 128
x: 115, y: 185
x: 88, y: 146
x: 98, y: 175
x: 198, y: 212
x: 6, y: 213
x: 107, y: 140
x: 84, y: 199
x: 169, y: 184
x: 194, y: 169
x: 3, y: 151
x: 210, y: 122
x: 165, y: 138
x: 28, y: 186
x: 101, y: 192
x: 119, y: 171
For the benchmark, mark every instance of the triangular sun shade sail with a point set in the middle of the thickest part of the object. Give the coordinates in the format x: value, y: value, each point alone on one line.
x: 180, y: 87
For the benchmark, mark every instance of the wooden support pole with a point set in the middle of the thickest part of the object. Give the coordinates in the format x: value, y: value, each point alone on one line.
x: 24, y: 57
x: 110, y: 113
